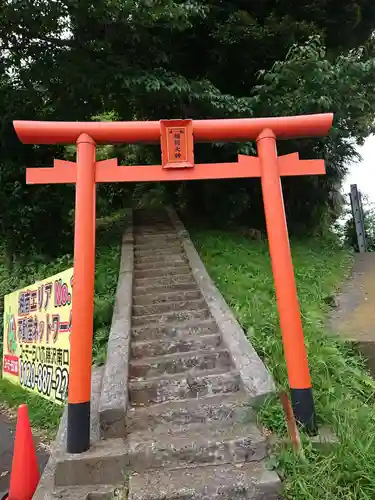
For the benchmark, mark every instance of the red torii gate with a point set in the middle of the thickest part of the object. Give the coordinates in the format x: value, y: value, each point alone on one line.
x: 177, y: 139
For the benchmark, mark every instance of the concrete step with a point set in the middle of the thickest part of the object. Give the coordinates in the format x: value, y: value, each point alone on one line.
x: 158, y: 260
x: 173, y: 263
x: 165, y: 281
x: 183, y: 386
x: 164, y: 271
x: 158, y: 227
x: 160, y: 246
x: 178, y: 363
x: 165, y: 297
x: 170, y: 231
x: 150, y: 216
x: 252, y: 481
x: 155, y: 320
x: 232, y: 407
x: 163, y: 238
x: 173, y: 305
x: 165, y: 250
x: 147, y: 291
x: 153, y: 212
x: 141, y: 235
x: 170, y: 346
x: 144, y: 214
x: 176, y: 331
x: 195, y: 444
x: 154, y: 224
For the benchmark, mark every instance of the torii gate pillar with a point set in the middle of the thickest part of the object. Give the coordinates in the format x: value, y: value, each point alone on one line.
x: 177, y: 139
x: 285, y: 285
x: 83, y: 298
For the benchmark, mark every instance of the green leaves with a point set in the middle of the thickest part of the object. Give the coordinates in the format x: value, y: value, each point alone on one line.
x: 153, y: 59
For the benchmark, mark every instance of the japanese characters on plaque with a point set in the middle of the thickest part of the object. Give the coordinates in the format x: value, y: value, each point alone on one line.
x: 177, y: 143
x: 37, y: 326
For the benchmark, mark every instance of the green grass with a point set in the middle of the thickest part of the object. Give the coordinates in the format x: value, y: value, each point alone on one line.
x: 109, y: 234
x: 43, y: 414
x: 343, y: 389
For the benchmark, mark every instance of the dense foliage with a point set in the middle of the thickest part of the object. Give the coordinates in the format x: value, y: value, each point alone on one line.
x: 152, y: 59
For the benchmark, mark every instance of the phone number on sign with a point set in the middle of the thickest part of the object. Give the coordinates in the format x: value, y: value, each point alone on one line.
x: 42, y: 378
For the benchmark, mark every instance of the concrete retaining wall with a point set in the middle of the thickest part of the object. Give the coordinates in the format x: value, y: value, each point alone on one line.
x: 114, y: 397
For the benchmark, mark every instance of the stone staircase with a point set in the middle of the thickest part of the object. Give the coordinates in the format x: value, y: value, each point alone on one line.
x: 188, y: 431
x: 191, y: 430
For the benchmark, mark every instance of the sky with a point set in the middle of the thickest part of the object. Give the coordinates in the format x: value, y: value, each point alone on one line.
x: 363, y: 172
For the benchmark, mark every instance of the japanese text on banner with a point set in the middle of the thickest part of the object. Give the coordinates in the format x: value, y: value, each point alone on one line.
x: 37, y: 326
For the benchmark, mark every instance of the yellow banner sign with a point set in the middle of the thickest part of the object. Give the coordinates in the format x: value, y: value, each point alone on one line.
x: 37, y: 326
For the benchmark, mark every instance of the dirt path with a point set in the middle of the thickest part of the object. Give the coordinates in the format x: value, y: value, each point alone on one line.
x: 7, y: 432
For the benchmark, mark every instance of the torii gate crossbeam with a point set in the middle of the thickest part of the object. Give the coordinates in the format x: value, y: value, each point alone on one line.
x: 177, y: 139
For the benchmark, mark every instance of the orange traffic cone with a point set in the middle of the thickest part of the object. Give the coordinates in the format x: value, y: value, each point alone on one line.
x: 25, y: 473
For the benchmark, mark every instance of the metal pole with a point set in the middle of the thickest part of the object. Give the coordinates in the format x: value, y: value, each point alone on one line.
x: 285, y: 286
x: 358, y: 218
x: 78, y: 439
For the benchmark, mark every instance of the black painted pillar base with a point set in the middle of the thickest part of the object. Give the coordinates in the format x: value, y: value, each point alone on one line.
x: 304, y: 409
x: 78, y: 439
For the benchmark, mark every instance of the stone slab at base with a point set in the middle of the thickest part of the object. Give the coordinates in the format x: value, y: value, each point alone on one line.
x: 325, y: 440
x: 106, y: 462
x: 46, y: 483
